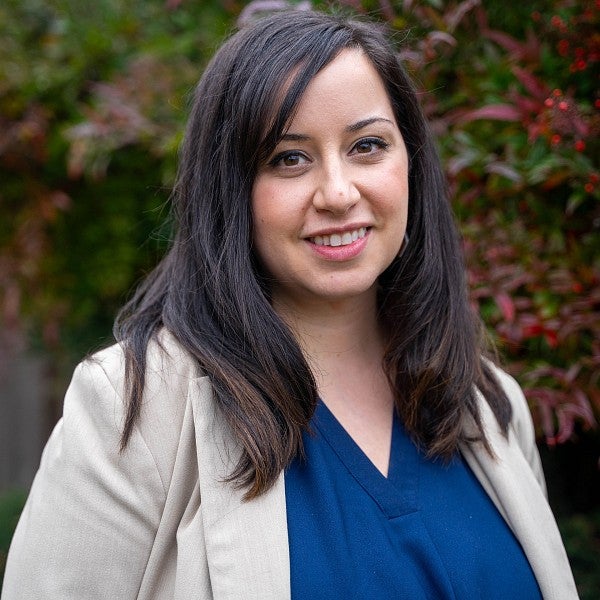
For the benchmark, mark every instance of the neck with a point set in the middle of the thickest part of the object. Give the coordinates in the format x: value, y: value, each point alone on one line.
x: 335, y: 331
x: 344, y: 345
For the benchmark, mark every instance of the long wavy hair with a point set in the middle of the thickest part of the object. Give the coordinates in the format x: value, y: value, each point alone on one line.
x: 208, y: 290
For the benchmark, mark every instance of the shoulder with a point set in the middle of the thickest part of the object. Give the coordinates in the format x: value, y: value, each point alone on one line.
x: 521, y: 422
x: 521, y: 432
x: 94, y: 509
x: 170, y: 370
x: 167, y: 364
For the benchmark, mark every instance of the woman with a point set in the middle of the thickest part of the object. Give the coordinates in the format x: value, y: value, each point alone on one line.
x: 298, y: 405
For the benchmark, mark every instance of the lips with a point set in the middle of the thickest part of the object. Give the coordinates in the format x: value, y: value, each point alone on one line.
x: 339, y: 239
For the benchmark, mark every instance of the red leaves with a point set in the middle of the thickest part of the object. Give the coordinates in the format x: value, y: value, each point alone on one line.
x: 23, y: 141
x: 518, y: 126
x: 124, y: 112
x: 523, y: 166
x: 559, y: 409
x: 546, y: 314
x: 497, y: 112
x: 558, y: 118
x: 529, y: 50
x: 506, y: 305
x: 536, y: 88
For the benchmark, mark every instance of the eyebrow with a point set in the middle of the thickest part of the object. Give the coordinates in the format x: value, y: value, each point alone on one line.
x: 366, y: 122
x: 299, y: 137
x: 295, y: 137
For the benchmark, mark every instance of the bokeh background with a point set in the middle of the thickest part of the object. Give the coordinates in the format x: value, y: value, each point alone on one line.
x: 93, y: 97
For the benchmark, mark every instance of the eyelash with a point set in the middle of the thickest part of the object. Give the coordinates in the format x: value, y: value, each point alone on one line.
x: 380, y: 143
x: 278, y: 158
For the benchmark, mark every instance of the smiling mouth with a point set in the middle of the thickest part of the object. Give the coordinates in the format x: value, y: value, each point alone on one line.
x: 339, y: 239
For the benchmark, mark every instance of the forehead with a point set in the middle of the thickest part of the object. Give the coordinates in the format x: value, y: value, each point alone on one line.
x: 320, y: 78
x: 347, y: 87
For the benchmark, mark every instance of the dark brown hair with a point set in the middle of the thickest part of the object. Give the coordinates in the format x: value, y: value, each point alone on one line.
x: 208, y: 290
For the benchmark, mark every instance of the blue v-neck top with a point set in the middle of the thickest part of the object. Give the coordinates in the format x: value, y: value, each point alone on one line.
x: 428, y: 530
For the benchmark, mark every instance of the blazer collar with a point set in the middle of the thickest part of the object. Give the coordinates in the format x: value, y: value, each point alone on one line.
x: 246, y: 541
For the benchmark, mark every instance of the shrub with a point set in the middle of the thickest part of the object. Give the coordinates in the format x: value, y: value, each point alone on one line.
x: 91, y: 109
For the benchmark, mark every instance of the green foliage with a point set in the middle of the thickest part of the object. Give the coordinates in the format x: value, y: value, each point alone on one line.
x: 523, y: 164
x: 92, y: 104
x: 11, y: 505
x: 581, y: 536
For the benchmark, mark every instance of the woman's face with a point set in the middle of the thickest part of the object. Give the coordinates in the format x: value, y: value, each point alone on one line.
x: 330, y: 203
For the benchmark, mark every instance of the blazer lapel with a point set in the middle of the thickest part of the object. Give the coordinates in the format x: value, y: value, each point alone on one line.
x: 509, y: 482
x: 246, y: 541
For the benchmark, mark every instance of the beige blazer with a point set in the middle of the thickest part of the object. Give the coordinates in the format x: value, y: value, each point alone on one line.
x: 157, y: 521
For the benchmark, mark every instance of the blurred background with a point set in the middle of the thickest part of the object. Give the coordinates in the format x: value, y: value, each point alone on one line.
x: 93, y: 97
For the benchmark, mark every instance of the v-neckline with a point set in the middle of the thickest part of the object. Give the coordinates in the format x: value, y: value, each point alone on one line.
x: 396, y: 494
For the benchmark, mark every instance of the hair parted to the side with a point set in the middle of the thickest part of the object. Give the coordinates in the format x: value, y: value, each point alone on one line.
x: 208, y: 290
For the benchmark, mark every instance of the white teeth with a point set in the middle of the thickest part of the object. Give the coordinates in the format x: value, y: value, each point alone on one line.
x: 336, y: 239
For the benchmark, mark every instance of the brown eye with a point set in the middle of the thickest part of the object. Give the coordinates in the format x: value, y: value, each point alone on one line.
x: 291, y: 160
x: 364, y: 147
x: 369, y: 145
x: 288, y: 159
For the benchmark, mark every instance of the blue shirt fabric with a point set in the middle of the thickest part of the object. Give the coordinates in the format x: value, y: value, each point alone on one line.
x: 427, y: 531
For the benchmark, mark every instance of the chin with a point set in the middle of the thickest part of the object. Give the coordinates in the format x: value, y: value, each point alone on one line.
x: 337, y: 293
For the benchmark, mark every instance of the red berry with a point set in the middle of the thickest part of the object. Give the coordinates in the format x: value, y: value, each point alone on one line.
x: 563, y: 47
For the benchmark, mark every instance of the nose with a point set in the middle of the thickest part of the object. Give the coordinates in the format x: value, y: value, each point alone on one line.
x: 336, y: 191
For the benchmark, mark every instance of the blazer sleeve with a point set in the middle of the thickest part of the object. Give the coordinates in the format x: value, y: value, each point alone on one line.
x: 89, y: 523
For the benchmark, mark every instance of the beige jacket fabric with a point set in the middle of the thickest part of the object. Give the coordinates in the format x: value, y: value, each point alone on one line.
x: 157, y: 521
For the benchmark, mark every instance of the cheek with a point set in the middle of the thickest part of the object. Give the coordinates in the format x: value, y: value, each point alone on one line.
x: 267, y: 219
x: 267, y: 205
x: 263, y: 203
x: 398, y: 179
x: 260, y: 236
x: 266, y: 223
x: 259, y: 201
x: 263, y: 247
x: 392, y: 197
x: 278, y: 208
